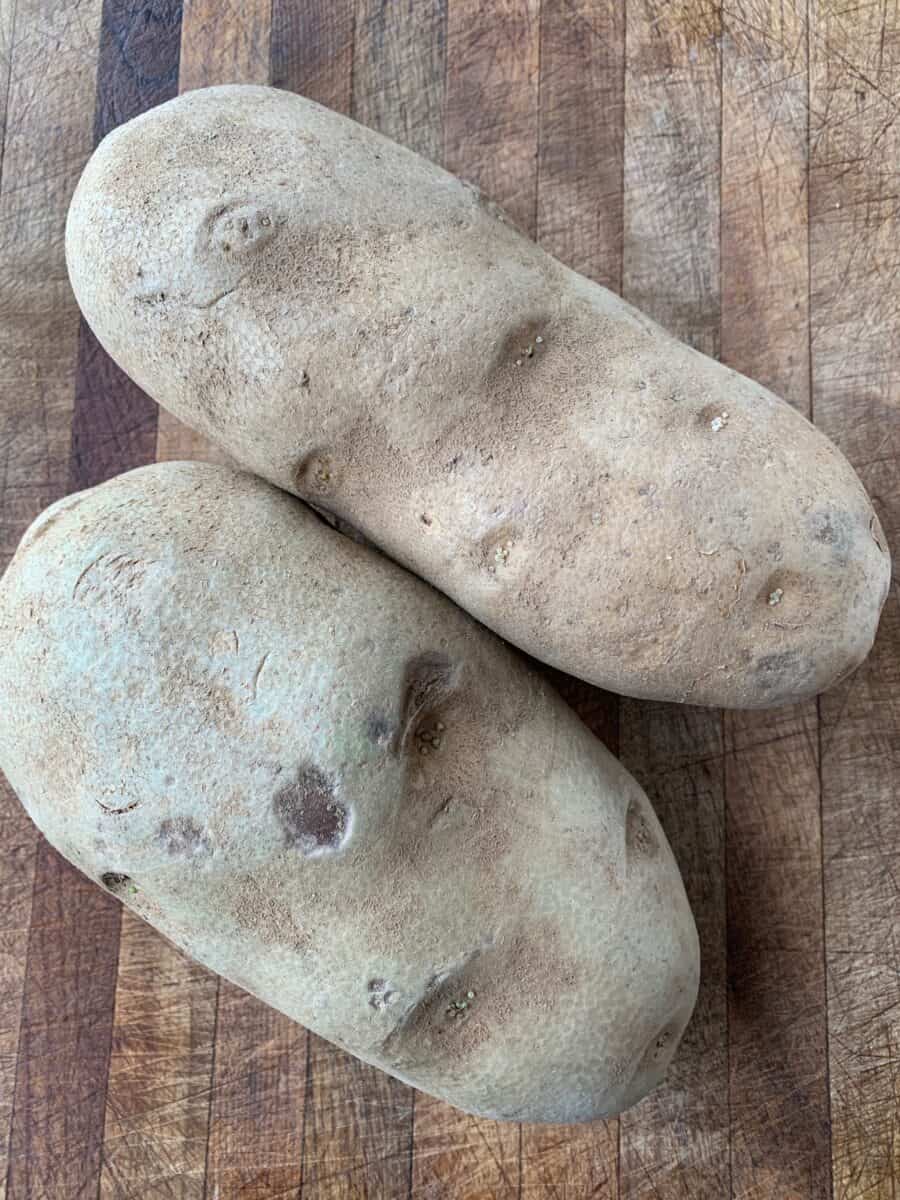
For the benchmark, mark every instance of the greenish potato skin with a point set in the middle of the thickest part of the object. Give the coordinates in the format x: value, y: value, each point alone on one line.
x: 366, y: 331
x: 320, y: 778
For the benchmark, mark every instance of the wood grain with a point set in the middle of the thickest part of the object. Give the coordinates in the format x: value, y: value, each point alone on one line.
x: 357, y: 1129
x: 582, y: 127
x: 777, y: 1013
x: 67, y: 1005
x: 855, y: 264
x: 259, y: 1085
x: 671, y: 269
x: 224, y: 43
x: 458, y: 1157
x: 399, y: 71
x: 49, y: 105
x: 312, y: 49
x: 490, y: 124
x: 158, y: 1093
x: 38, y: 334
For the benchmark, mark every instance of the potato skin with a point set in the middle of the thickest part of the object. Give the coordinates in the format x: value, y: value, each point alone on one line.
x: 323, y: 780
x: 366, y: 331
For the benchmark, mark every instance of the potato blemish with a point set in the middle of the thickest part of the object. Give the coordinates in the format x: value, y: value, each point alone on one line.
x: 180, y: 835
x: 314, y: 821
x: 639, y: 838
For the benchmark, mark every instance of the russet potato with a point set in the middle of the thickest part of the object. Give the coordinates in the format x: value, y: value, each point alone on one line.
x: 364, y: 330
x: 323, y: 780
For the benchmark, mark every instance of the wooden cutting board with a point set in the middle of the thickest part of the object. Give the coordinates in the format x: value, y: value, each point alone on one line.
x: 734, y: 169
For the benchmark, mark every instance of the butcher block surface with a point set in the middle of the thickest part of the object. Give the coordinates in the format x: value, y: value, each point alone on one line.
x: 732, y: 168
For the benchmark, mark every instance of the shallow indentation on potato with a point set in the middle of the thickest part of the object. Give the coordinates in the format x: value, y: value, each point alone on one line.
x: 315, y: 474
x: 523, y: 346
x: 235, y: 229
x: 314, y: 821
x: 713, y: 418
x: 783, y: 594
x: 428, y: 680
x: 181, y: 836
x: 444, y: 1015
x: 640, y: 840
x: 497, y: 550
x: 381, y: 994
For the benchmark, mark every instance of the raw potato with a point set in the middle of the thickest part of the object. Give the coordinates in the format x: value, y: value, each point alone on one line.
x: 366, y: 331
x: 323, y: 780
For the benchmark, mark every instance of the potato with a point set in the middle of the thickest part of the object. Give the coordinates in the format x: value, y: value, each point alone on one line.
x: 364, y: 330
x: 321, y: 779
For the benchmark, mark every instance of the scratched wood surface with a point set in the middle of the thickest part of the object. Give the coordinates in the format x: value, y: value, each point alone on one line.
x: 733, y: 167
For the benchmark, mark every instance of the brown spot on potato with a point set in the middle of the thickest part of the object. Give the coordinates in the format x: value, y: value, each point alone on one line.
x: 640, y: 840
x: 313, y: 819
x: 180, y: 835
x: 115, y: 882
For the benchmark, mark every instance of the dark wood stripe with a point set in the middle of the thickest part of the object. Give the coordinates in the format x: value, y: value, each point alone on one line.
x: 114, y: 424
x: 579, y: 219
x: 854, y: 260
x: 780, y: 1143
x: 582, y: 129
x: 671, y: 270
x: 312, y: 49
x: 158, y: 1100
x: 49, y: 100
x: 230, y: 46
x: 46, y: 117
x: 259, y: 1085
x: 399, y: 71
x: 70, y: 977
x: 356, y: 1129
x: 491, y: 118
x: 64, y: 1046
